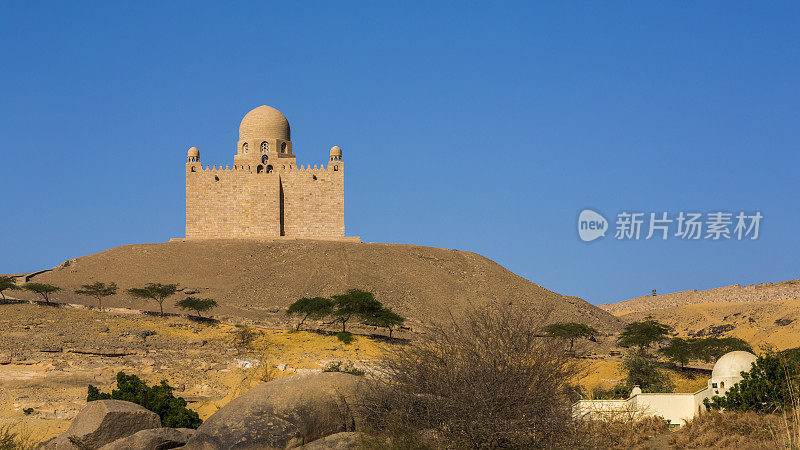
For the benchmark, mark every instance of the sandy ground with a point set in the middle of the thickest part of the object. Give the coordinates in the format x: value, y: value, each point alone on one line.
x: 48, y: 357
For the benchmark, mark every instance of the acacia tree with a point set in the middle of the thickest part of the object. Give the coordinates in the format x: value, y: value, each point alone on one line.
x: 197, y: 304
x: 316, y: 308
x: 679, y: 351
x: 156, y: 291
x: 98, y: 290
x: 643, y: 371
x: 571, y: 331
x: 643, y: 334
x: 384, y: 318
x: 7, y: 284
x: 354, y: 303
x: 42, y: 289
x: 711, y: 349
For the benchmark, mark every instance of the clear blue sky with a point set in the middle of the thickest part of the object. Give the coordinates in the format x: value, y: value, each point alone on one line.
x: 469, y: 125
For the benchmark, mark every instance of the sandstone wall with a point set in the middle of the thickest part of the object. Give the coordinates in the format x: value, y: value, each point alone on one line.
x: 239, y: 203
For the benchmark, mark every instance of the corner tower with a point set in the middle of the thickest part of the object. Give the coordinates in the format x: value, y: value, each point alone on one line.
x: 265, y: 194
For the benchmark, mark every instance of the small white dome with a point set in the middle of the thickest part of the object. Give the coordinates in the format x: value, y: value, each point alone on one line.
x: 732, y: 364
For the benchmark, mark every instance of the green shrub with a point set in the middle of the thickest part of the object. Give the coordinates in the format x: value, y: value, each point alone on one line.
x: 157, y: 398
x: 643, y: 371
x: 345, y: 336
x: 620, y: 391
x: 764, y: 389
x: 344, y: 367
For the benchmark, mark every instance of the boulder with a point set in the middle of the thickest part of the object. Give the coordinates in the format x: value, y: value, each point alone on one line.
x: 153, y: 439
x: 346, y: 440
x: 101, y: 422
x: 282, y: 413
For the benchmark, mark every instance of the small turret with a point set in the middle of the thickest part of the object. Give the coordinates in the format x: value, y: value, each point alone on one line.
x: 336, y: 153
x: 194, y: 155
x: 335, y: 163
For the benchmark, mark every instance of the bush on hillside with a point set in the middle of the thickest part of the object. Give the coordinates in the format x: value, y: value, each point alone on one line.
x: 344, y: 367
x: 157, y: 398
x: 345, y: 337
x: 488, y: 380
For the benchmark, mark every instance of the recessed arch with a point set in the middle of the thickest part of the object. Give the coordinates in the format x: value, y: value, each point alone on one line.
x: 259, y: 169
x: 269, y: 168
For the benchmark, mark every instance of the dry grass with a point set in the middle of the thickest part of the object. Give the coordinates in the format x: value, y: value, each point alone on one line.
x: 13, y: 439
x: 618, y: 434
x: 487, y: 381
x: 729, y: 430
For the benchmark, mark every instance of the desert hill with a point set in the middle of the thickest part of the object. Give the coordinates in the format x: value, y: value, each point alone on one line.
x: 761, y: 314
x: 753, y: 293
x: 257, y: 279
x: 775, y: 323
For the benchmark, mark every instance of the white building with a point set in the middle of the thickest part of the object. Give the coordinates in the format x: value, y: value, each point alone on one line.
x: 675, y: 407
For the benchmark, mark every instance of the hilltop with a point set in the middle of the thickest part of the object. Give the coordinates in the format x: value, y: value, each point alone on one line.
x: 762, y: 314
x: 753, y: 293
x: 258, y: 279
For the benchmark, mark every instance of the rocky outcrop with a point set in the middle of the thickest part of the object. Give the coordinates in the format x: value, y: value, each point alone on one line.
x: 153, y: 439
x: 346, y: 440
x: 282, y: 413
x: 102, y: 422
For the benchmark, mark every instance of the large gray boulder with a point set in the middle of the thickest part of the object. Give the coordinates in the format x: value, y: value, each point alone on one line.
x: 282, y: 413
x: 101, y: 422
x: 153, y: 439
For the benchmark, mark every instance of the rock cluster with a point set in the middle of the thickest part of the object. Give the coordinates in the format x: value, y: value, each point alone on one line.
x: 311, y: 409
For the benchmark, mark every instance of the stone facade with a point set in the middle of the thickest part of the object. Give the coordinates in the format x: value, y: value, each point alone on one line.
x: 266, y: 194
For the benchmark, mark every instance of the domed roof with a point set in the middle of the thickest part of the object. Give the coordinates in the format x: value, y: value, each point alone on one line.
x: 193, y: 151
x: 264, y: 122
x: 732, y: 364
x: 336, y: 151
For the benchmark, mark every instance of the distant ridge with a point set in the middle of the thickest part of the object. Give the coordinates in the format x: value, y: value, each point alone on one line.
x: 258, y: 279
x: 752, y: 293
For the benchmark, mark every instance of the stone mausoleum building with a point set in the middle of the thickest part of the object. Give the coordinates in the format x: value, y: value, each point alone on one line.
x: 265, y: 194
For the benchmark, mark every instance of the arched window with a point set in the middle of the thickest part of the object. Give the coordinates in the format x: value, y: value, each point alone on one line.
x: 269, y: 168
x: 283, y: 147
x: 264, y: 159
x: 335, y: 168
x: 193, y: 169
x: 244, y: 147
x: 264, y: 147
x: 259, y: 169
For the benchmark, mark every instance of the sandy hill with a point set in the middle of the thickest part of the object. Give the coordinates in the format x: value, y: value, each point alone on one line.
x: 255, y: 279
x: 754, y: 293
